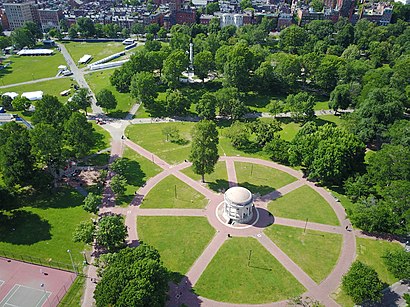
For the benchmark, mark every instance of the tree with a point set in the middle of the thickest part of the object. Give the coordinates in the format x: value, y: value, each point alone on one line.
x: 4, y: 42
x: 49, y: 110
x: 277, y: 149
x: 301, y: 106
x: 171, y: 133
x: 230, y: 103
x: 239, y: 62
x: 120, y: 166
x: 362, y: 283
x: 79, y: 135
x: 16, y: 160
x: 245, y: 4
x: 293, y: 39
x: 317, y: 5
x: 211, y: 8
x: 84, y: 232
x: 85, y: 27
x: 47, y: 148
x: 376, y: 113
x: 203, y: 64
x: 275, y: 107
x: 111, y: 232
x: 22, y: 37
x: 92, y: 202
x: 264, y: 131
x: 398, y: 263
x: 174, y: 65
x: 239, y: 134
x: 73, y: 32
x: 106, y: 99
x: 326, y: 75
x: 144, y: 87
x: 21, y: 103
x: 118, y: 185
x: 6, y: 102
x: 329, y: 154
x: 81, y: 100
x: 176, y: 102
x: 206, y: 106
x: 204, y: 149
x: 341, y: 97
x: 399, y: 133
x: 287, y: 68
x: 34, y: 29
x: 133, y: 277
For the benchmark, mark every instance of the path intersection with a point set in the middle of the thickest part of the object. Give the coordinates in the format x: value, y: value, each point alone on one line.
x: 181, y: 293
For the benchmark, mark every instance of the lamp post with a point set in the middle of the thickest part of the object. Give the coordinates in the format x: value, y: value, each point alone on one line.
x: 85, y: 257
x: 72, y: 262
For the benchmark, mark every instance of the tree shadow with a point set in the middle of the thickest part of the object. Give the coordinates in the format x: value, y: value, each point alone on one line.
x: 60, y: 198
x: 180, y: 141
x: 117, y: 114
x: 219, y: 185
x: 99, y: 141
x: 134, y: 174
x: 322, y: 122
x: 22, y: 227
x: 257, y: 189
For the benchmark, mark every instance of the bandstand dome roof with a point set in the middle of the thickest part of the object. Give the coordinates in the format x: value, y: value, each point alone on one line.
x: 238, y: 195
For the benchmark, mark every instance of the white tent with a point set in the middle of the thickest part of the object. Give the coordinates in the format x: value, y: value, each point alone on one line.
x: 35, y: 52
x: 62, y: 67
x: 33, y: 95
x: 85, y: 58
x: 12, y: 95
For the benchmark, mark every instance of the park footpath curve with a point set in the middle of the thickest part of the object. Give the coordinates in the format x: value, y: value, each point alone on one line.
x: 181, y: 293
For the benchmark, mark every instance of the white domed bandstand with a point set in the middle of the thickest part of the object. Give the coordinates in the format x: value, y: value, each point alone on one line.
x: 238, y: 205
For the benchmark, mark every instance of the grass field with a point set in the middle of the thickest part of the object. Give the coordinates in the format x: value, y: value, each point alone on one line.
x: 261, y: 179
x: 151, y: 138
x: 370, y: 252
x: 304, y: 203
x: 314, y: 251
x: 98, y: 50
x: 52, y: 87
x: 217, y: 181
x: 99, y: 80
x: 179, y: 240
x: 173, y: 193
x: 139, y: 171
x: 43, y: 225
x: 27, y: 68
x: 228, y: 278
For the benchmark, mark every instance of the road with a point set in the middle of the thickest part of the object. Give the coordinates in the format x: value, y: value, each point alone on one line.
x: 78, y: 76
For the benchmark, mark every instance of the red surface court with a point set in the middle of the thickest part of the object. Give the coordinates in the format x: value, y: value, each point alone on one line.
x: 29, y: 285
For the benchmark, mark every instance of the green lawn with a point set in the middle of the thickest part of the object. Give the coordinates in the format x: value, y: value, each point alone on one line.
x: 314, y: 251
x: 139, y: 171
x: 52, y: 87
x: 304, y: 203
x: 325, y: 119
x: 370, y: 252
x: 98, y: 50
x: 289, y: 131
x: 150, y: 137
x: 173, y: 193
x: 99, y: 80
x: 261, y: 179
x: 74, y: 294
x: 27, y: 68
x: 321, y: 105
x: 217, y: 181
x: 228, y: 278
x: 179, y: 240
x: 43, y: 227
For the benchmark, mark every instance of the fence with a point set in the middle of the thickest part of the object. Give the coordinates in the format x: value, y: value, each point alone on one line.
x: 43, y: 262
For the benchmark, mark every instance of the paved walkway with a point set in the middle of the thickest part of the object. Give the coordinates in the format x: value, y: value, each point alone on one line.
x: 181, y: 293
x: 31, y: 82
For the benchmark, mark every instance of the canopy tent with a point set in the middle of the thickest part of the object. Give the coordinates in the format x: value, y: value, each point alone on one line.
x: 62, y: 67
x: 85, y: 58
x: 33, y: 95
x: 35, y: 52
x: 12, y: 95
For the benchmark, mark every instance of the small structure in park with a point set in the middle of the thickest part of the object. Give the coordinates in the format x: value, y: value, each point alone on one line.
x: 238, y: 205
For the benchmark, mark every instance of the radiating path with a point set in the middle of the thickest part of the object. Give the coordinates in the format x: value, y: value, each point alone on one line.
x: 182, y: 293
